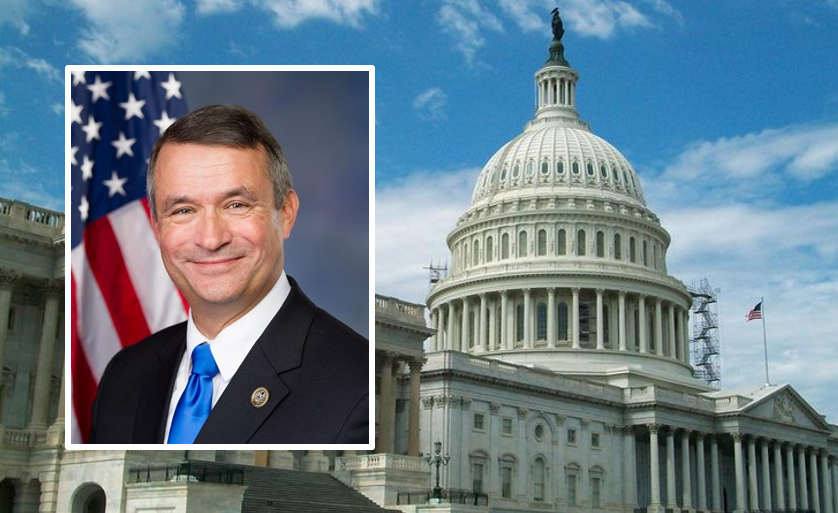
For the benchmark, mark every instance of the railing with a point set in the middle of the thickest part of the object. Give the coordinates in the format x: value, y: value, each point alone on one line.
x: 379, y: 461
x: 17, y: 210
x: 191, y: 471
x: 410, y: 312
x: 451, y: 496
x: 17, y: 438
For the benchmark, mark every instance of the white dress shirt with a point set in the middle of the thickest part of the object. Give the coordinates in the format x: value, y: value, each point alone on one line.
x: 231, y: 345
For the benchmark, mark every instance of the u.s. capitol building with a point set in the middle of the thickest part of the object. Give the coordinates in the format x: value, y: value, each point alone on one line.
x: 560, y: 377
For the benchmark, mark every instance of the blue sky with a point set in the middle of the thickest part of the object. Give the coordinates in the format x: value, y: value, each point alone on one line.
x: 728, y: 110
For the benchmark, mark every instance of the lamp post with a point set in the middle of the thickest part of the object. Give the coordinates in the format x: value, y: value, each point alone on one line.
x: 437, y: 460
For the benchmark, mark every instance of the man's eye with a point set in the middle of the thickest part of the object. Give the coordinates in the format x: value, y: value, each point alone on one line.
x: 182, y: 211
x: 237, y: 204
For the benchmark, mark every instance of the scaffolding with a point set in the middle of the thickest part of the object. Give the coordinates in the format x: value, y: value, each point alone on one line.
x: 436, y: 272
x: 705, y: 339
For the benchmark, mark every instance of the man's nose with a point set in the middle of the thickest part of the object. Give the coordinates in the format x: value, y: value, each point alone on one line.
x: 212, y: 231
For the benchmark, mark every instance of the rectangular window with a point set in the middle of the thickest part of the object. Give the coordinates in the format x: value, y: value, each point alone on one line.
x: 571, y: 436
x: 595, y: 440
x: 571, y: 490
x: 506, y: 482
x: 596, y: 490
x: 478, y: 421
x: 506, y: 426
x: 477, y: 478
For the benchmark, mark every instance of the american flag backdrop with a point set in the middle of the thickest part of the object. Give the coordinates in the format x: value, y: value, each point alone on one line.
x: 120, y: 290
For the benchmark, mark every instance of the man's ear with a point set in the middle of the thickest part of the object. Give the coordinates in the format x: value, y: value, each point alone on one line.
x: 289, y: 212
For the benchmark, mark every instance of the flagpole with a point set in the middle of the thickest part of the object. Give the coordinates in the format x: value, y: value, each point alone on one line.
x: 764, y: 341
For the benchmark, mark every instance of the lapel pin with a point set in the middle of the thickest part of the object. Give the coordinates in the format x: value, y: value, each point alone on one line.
x: 260, y: 397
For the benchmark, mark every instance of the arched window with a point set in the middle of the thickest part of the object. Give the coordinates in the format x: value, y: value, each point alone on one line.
x: 516, y: 171
x: 541, y: 322
x: 591, y: 171
x: 596, y: 474
x: 645, y: 254
x: 605, y: 323
x: 465, y: 255
x: 562, y: 321
x: 89, y: 498
x: 632, y: 250
x: 472, y: 336
x: 575, y: 168
x: 580, y: 243
x: 562, y: 242
x: 490, y: 247
x: 476, y: 254
x: 603, y: 171
x: 618, y: 246
x: 538, y: 479
x: 584, y: 322
x: 507, y: 468
x: 655, y: 255
x: 522, y: 244
x: 542, y: 242
x: 504, y: 246
x: 530, y: 169
x: 560, y: 167
x: 545, y: 168
x: 519, y: 322
x: 503, y: 174
x: 600, y: 244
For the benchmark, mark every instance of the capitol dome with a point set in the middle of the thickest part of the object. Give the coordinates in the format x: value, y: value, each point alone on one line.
x: 558, y: 263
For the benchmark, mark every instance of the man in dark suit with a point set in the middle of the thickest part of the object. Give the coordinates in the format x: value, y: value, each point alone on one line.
x: 256, y: 361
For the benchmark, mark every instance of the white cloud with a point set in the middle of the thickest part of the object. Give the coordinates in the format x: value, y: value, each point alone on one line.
x: 412, y: 217
x: 217, y: 6
x: 58, y: 108
x: 464, y: 20
x: 17, y: 58
x: 4, y: 109
x: 290, y: 13
x: 128, y: 30
x: 14, y: 12
x: 430, y: 104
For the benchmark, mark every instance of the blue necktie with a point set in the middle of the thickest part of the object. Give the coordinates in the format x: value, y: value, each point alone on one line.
x: 195, y: 404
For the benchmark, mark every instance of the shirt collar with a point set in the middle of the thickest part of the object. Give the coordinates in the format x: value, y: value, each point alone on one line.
x: 233, y: 343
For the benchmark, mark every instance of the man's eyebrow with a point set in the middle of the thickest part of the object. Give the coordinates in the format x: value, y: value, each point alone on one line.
x: 242, y: 192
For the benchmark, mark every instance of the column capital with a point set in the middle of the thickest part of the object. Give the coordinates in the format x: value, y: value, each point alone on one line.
x: 415, y: 363
x: 551, y: 289
x: 53, y: 289
x: 575, y: 290
x: 654, y: 428
x: 737, y: 436
x: 622, y: 293
x: 658, y: 301
x: 8, y: 278
x: 627, y: 430
x: 482, y: 295
x: 600, y: 291
x: 522, y: 413
x: 494, y: 408
x: 700, y: 436
x: 428, y: 402
x: 503, y: 293
x: 527, y: 290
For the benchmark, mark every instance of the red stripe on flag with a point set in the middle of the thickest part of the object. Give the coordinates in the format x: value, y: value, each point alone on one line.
x: 108, y: 268
x: 148, y: 214
x: 84, y: 386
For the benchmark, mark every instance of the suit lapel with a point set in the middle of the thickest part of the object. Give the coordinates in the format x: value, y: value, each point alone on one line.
x: 234, y: 418
x: 156, y: 392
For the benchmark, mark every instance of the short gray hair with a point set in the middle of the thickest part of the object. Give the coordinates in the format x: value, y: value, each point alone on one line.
x: 224, y: 125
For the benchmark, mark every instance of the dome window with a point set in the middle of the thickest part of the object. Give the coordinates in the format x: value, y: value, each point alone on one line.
x: 503, y: 174
x: 616, y: 174
x: 562, y: 318
x: 632, y: 250
x: 590, y: 170
x: 476, y: 253
x: 541, y: 322
x: 504, y: 246
x: 545, y: 168
x: 542, y: 242
x: 575, y: 168
x: 560, y: 167
x: 516, y: 171
x: 603, y: 171
x: 561, y: 242
x: 580, y: 243
x: 618, y: 247
x: 530, y: 169
x: 489, y: 248
x: 600, y: 244
x: 522, y: 244
x: 645, y: 254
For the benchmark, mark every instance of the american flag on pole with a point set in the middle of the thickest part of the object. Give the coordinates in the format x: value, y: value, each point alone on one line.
x: 755, y: 313
x: 120, y: 290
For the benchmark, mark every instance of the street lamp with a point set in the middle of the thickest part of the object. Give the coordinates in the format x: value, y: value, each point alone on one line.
x: 438, y: 460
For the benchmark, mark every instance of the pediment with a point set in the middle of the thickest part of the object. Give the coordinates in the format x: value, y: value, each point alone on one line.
x: 785, y: 405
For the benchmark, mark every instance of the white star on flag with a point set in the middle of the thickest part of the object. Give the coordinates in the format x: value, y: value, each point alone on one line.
x: 164, y: 122
x: 78, y: 77
x: 99, y: 89
x: 87, y: 168
x: 123, y: 146
x: 141, y: 74
x: 115, y: 184
x: 133, y: 107
x: 73, y: 151
x: 92, y: 129
x: 75, y: 112
x: 84, y: 208
x: 172, y: 87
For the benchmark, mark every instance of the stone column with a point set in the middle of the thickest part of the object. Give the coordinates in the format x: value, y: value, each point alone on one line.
x: 7, y: 283
x: 654, y: 470
x: 686, y: 481
x: 436, y: 338
x: 621, y: 319
x: 505, y: 339
x: 804, y: 488
x: 574, y: 315
x: 527, y: 324
x: 738, y: 458
x: 779, y: 496
x: 451, y: 339
x: 793, y: 505
x: 282, y: 459
x: 701, y: 472
x: 552, y: 333
x: 481, y: 325
x: 629, y: 467
x: 685, y: 330
x: 673, y: 346
x: 493, y: 325
x: 816, y: 491
x: 834, y: 473
x: 671, y: 499
x: 600, y: 325
x: 494, y: 487
x: 43, y: 377
x: 715, y: 476
x: 753, y: 495
x: 413, y: 412
x: 659, y: 327
x: 766, y: 476
x: 641, y: 324
x: 465, y: 328
x: 827, y: 483
x: 316, y: 461
x: 387, y: 406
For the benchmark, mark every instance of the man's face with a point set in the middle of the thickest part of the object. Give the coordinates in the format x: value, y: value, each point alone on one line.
x: 219, y: 230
